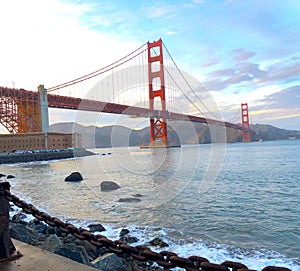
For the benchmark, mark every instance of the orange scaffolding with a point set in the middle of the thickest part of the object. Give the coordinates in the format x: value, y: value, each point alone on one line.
x: 20, y: 110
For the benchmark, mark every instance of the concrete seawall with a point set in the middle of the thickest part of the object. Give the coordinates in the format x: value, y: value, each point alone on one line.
x: 30, y: 157
x: 36, y: 259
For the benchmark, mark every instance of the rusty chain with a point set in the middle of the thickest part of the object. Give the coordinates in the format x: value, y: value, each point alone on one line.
x: 166, y: 259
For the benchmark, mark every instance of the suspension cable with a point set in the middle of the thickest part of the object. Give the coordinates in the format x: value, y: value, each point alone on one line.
x: 190, y: 87
x: 99, y: 71
x: 234, y: 117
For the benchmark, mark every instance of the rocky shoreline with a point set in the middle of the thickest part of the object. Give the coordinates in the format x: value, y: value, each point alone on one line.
x: 10, y: 158
x: 37, y: 233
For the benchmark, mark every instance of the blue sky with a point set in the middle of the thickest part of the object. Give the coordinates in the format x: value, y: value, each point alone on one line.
x: 242, y: 51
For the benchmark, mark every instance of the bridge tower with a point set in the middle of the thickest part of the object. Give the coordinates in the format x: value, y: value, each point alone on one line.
x: 245, y: 122
x: 158, y: 125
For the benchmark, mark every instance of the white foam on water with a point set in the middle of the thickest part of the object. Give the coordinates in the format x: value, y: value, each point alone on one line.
x: 215, y: 253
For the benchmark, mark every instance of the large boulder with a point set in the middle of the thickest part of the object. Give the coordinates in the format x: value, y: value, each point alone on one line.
x: 92, y: 251
x: 23, y: 233
x: 52, y: 243
x: 109, y: 186
x: 74, y: 177
x: 108, y: 262
x: 74, y: 252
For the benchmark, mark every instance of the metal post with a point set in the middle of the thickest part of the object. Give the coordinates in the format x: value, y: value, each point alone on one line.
x: 7, y: 249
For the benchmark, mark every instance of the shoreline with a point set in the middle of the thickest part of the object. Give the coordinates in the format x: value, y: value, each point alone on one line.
x: 11, y: 158
x: 38, y: 234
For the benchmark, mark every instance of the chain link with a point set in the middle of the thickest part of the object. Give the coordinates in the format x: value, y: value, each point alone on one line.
x: 166, y: 259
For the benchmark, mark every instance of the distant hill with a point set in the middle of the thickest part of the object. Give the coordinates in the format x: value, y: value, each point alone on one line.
x: 269, y: 132
x: 179, y: 132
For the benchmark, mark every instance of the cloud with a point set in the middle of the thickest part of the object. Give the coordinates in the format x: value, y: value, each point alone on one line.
x: 244, y: 71
x: 210, y: 62
x: 154, y: 12
x: 286, y: 98
x: 281, y: 107
x: 283, y: 72
x: 169, y: 33
x: 241, y: 55
x: 51, y: 44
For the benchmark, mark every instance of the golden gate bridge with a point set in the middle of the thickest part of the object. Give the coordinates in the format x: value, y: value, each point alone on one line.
x: 146, y: 83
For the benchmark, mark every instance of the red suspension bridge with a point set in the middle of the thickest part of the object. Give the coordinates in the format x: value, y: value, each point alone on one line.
x: 145, y: 83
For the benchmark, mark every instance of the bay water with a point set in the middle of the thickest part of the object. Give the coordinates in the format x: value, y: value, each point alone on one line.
x: 237, y: 202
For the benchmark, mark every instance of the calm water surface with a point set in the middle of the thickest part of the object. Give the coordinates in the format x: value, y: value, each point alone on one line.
x: 224, y: 202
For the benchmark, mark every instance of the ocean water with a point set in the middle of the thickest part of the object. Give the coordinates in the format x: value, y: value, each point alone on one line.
x: 237, y: 202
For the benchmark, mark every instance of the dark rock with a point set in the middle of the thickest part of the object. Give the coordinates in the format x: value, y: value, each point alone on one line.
x: 158, y: 243
x: 74, y: 177
x: 109, y: 262
x: 109, y: 186
x: 36, y: 222
x: 129, y: 200
x: 2, y: 175
x: 76, y: 253
x: 129, y: 239
x: 96, y: 227
x: 124, y: 232
x: 52, y: 243
x: 10, y: 177
x: 23, y: 233
x: 69, y: 239
x: 11, y: 207
x: 91, y: 250
x: 50, y: 230
x: 137, y: 195
x: 19, y: 218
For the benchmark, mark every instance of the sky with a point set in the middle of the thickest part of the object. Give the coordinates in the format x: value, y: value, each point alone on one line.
x: 242, y: 51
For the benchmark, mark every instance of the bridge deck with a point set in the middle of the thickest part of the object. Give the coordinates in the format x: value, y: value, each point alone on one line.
x: 65, y: 102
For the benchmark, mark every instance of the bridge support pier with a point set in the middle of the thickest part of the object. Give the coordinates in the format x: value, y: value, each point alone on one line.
x: 44, y: 108
x: 158, y: 125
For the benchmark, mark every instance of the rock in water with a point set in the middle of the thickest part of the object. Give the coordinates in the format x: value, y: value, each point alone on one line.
x: 158, y: 242
x: 108, y: 186
x: 96, y: 227
x: 10, y: 177
x: 124, y: 232
x: 129, y: 200
x: 74, y: 177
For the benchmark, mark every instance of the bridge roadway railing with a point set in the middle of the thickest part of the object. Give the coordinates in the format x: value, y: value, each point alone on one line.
x: 166, y: 259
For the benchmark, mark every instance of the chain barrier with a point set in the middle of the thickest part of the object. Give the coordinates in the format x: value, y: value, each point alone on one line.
x: 165, y: 259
